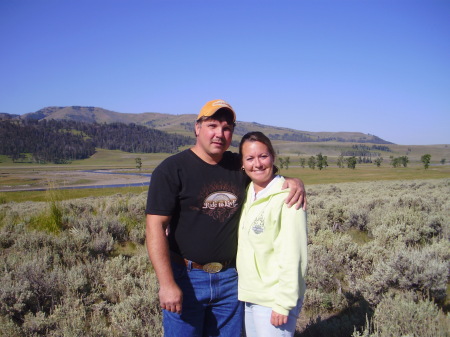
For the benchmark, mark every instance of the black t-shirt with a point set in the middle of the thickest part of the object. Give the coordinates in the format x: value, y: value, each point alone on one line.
x: 204, y: 201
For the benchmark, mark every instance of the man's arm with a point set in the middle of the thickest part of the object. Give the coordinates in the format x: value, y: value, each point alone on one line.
x: 170, y: 295
x: 297, y: 193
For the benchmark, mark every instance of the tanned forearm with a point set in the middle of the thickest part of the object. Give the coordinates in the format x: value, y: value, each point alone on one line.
x: 170, y: 295
x: 297, y: 193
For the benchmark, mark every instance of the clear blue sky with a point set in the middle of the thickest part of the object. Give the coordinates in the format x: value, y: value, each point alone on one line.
x: 374, y: 66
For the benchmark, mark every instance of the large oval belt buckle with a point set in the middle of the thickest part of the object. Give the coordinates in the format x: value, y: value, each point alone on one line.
x: 213, y: 267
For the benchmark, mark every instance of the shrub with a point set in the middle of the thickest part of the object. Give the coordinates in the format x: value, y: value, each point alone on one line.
x: 424, y: 271
x: 369, y: 244
x: 403, y: 314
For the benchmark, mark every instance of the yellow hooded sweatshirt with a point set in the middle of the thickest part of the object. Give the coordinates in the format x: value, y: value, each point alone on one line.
x: 272, y: 250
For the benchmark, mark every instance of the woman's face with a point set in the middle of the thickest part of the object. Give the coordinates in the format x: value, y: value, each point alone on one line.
x: 257, y: 162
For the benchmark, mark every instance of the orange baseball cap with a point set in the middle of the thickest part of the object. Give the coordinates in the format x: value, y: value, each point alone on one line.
x: 211, y: 107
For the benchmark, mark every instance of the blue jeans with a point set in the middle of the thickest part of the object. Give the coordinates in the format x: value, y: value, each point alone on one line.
x: 210, y: 304
x: 257, y: 321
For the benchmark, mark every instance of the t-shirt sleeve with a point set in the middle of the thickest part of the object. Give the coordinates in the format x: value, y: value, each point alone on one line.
x: 163, y: 191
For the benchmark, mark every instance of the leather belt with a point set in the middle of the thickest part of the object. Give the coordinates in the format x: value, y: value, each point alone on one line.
x: 212, y: 267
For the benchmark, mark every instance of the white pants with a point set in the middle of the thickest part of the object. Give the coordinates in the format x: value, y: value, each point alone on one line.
x: 257, y: 321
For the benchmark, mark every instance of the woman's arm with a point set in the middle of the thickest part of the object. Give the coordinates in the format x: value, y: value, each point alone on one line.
x: 290, y: 249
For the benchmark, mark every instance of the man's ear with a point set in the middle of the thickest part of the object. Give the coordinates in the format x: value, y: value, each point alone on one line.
x: 196, y: 129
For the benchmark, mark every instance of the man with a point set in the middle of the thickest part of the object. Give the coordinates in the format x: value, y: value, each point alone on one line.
x: 193, y: 207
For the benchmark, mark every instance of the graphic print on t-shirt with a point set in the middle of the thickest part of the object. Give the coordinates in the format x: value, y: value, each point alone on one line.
x: 220, y: 201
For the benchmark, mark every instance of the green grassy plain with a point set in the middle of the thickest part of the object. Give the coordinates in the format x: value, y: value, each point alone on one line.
x: 366, y: 172
x: 14, y: 174
x: 21, y: 196
x: 329, y: 175
x: 102, y: 159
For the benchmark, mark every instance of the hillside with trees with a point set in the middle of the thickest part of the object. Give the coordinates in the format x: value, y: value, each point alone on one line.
x: 61, y: 141
x: 184, y: 124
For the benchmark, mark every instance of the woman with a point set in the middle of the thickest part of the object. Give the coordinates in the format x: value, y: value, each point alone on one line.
x: 271, y: 259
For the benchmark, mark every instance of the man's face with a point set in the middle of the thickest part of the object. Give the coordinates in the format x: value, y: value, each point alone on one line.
x: 214, y: 137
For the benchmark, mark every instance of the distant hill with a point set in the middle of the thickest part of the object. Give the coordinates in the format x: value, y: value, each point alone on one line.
x: 184, y: 124
x: 6, y: 116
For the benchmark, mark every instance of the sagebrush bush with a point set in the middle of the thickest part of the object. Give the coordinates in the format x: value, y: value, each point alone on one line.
x: 68, y: 282
x: 405, y: 314
x: 377, y: 250
x: 424, y: 271
x: 367, y: 239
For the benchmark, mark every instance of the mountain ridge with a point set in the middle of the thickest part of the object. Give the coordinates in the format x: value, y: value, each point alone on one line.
x: 184, y: 124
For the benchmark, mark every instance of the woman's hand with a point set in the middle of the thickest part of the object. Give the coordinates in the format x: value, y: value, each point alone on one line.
x: 277, y: 319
